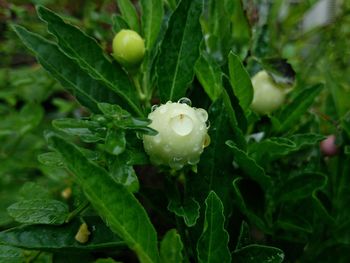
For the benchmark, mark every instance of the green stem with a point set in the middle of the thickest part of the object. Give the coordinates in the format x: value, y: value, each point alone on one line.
x: 77, y: 211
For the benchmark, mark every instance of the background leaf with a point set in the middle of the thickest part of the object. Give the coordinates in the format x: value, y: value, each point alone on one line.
x: 258, y: 254
x: 291, y: 113
x: 61, y: 238
x: 88, y: 91
x: 10, y: 254
x: 179, y: 51
x: 121, y: 211
x: 212, y: 245
x: 152, y: 16
x: 129, y: 13
x: 89, y: 55
x: 209, y: 75
x: 39, y: 211
x: 171, y: 247
x: 240, y: 82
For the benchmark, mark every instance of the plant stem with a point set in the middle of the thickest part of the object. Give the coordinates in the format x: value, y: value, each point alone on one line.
x: 77, y: 211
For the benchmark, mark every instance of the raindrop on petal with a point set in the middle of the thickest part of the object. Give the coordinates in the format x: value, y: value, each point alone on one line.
x: 202, y: 114
x: 154, y: 107
x: 185, y: 100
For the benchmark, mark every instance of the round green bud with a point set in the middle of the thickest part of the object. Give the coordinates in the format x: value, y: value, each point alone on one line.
x: 268, y: 95
x: 128, y: 48
x: 182, y: 135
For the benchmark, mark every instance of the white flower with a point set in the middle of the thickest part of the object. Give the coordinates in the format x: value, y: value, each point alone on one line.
x: 182, y: 135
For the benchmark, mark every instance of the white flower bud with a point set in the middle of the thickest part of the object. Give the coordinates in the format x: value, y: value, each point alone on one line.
x: 182, y: 135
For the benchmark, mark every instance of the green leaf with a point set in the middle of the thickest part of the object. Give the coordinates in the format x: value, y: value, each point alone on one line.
x: 258, y: 254
x: 62, y: 238
x: 123, y: 173
x: 152, y: 17
x: 39, y: 211
x: 115, y: 141
x: 251, y: 211
x: 32, y: 190
x: 129, y: 13
x: 87, y: 131
x: 249, y: 166
x: 291, y: 113
x: 276, y: 147
x: 240, y: 82
x: 212, y: 245
x: 244, y: 238
x: 179, y: 51
x: 171, y: 247
x: 50, y: 159
x: 188, y: 210
x: 238, y: 136
x: 120, y: 210
x: 89, y: 55
x: 119, y: 23
x: 87, y: 90
x: 209, y: 75
x: 11, y: 254
x: 300, y: 186
x: 215, y: 167
x: 216, y: 26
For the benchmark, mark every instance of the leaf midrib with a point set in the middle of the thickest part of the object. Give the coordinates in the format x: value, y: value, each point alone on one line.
x: 86, y: 65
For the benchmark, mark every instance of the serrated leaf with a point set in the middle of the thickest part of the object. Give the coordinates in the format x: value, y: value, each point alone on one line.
x: 209, y: 75
x: 277, y: 147
x: 188, y: 210
x: 240, y: 82
x: 120, y: 210
x: 258, y: 254
x: 179, y: 51
x: 212, y: 245
x: 62, y: 238
x: 171, y: 247
x: 87, y: 90
x: 292, y: 112
x: 246, y: 208
x: 10, y: 254
x: 249, y: 166
x: 244, y: 238
x: 87, y: 131
x: 129, y: 13
x: 89, y: 55
x: 152, y: 16
x: 39, y: 211
x: 300, y: 186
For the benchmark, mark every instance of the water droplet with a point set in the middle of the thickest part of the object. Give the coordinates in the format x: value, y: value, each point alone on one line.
x: 196, y: 148
x: 206, y: 141
x: 139, y: 135
x: 193, y: 160
x: 185, y: 100
x: 181, y: 124
x: 154, y: 107
x: 157, y: 138
x: 207, y: 123
x: 176, y: 163
x: 163, y: 109
x: 167, y: 148
x: 202, y: 114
